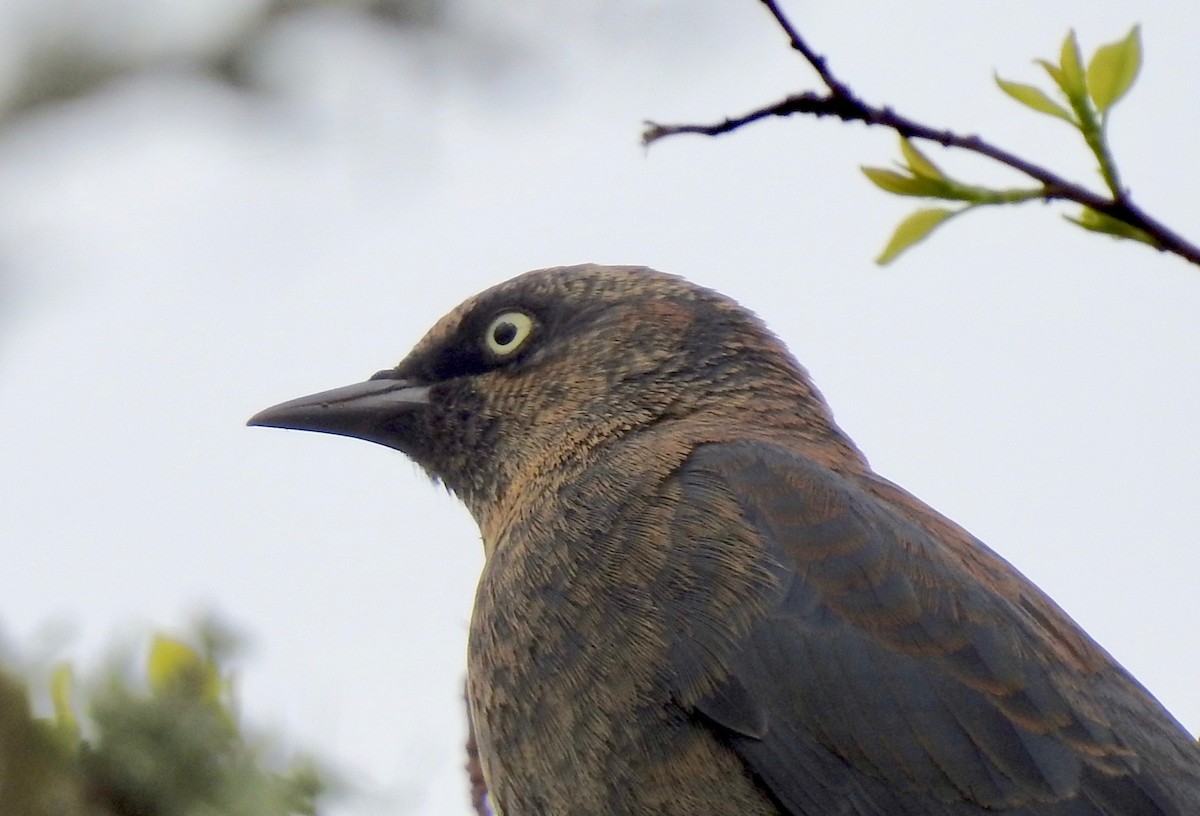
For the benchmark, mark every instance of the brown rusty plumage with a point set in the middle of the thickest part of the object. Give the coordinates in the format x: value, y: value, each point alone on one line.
x: 699, y: 599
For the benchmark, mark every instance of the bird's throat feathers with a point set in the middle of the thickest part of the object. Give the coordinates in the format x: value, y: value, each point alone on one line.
x: 637, y: 460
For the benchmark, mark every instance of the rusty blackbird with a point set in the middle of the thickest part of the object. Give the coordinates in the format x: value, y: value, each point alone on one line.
x: 699, y: 599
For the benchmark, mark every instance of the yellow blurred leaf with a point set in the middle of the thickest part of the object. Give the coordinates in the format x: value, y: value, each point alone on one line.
x: 1071, y: 64
x: 903, y: 184
x: 174, y: 666
x: 1034, y: 97
x: 1053, y: 70
x: 917, y: 162
x: 1113, y: 69
x: 1095, y: 221
x: 62, y: 683
x: 912, y: 230
x: 169, y: 661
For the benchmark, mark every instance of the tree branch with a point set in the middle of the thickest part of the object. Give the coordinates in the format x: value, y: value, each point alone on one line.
x: 843, y: 103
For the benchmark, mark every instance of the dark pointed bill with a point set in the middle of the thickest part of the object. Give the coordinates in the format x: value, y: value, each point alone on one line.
x: 373, y: 410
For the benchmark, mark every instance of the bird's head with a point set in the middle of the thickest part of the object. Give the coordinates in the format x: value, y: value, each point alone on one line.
x: 545, y: 369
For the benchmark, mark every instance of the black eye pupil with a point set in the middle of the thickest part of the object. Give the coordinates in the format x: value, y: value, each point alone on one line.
x: 504, y: 333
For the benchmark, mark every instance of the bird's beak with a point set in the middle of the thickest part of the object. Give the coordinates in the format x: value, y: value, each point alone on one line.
x: 383, y: 410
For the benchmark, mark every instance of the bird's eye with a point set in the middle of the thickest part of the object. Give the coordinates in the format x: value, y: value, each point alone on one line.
x: 508, y: 332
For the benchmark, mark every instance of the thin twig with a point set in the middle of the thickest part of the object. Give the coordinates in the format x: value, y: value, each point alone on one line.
x: 841, y: 102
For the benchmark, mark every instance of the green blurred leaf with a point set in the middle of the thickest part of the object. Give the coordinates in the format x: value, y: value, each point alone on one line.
x: 177, y: 754
x: 36, y: 773
x: 912, y: 230
x: 1073, y: 84
x: 1054, y: 71
x: 169, y: 660
x: 1113, y: 69
x: 1034, y: 97
x: 62, y: 683
x: 174, y: 751
x: 1095, y: 221
x: 917, y: 162
x: 904, y: 184
x: 175, y: 667
x: 944, y: 187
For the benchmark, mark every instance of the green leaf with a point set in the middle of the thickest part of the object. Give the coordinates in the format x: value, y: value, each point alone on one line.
x: 906, y: 185
x: 1034, y: 97
x: 920, y: 166
x: 1113, y: 69
x: 61, y: 685
x: 912, y: 230
x: 1054, y: 71
x: 175, y: 667
x: 1071, y: 63
x: 1095, y: 221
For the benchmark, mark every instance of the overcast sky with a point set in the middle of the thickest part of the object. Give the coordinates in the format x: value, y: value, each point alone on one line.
x: 177, y: 255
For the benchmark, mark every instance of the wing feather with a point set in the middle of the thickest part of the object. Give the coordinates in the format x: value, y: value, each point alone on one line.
x: 867, y: 670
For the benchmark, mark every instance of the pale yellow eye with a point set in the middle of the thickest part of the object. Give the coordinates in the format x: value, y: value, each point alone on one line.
x: 508, y: 332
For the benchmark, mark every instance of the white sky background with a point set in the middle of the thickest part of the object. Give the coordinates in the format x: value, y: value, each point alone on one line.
x: 176, y: 256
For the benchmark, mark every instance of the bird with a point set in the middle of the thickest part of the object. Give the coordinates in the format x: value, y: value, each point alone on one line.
x: 698, y: 598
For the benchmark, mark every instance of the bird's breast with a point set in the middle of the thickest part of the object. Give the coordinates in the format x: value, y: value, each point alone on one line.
x: 570, y: 683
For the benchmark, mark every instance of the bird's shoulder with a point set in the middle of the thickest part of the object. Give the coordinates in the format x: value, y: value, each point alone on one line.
x: 871, y: 651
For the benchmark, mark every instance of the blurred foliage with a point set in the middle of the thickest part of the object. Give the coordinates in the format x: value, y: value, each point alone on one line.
x: 1086, y: 98
x: 162, y: 740
x: 70, y: 48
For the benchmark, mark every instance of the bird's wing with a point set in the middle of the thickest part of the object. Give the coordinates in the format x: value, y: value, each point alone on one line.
x: 858, y: 668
